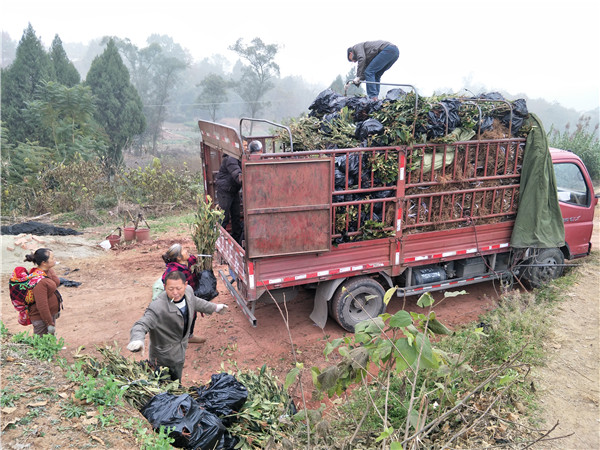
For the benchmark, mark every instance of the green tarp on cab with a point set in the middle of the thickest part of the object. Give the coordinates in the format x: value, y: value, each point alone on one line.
x: 539, y: 222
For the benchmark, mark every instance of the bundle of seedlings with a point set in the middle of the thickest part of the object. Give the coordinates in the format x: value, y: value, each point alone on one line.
x: 205, y: 232
x: 138, y: 380
x: 268, y: 414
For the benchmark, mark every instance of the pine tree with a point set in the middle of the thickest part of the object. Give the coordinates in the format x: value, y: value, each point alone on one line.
x: 118, y: 105
x: 64, y: 70
x: 20, y: 84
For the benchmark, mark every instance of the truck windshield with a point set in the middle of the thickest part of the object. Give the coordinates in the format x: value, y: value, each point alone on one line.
x: 571, y: 184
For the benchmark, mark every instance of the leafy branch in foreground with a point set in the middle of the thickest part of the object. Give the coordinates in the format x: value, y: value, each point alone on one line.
x: 414, y: 393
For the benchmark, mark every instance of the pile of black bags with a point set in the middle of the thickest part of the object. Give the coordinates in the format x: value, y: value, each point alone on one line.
x: 199, y: 423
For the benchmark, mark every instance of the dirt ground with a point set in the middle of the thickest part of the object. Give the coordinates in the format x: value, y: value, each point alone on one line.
x: 116, y: 287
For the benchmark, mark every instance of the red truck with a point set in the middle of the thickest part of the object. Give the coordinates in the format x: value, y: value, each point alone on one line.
x: 351, y: 223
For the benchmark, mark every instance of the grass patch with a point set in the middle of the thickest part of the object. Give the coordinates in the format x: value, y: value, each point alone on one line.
x: 177, y: 223
x: 41, y: 392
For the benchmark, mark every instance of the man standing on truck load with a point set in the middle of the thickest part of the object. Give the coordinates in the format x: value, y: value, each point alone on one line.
x: 168, y: 320
x: 373, y: 58
x: 229, y: 182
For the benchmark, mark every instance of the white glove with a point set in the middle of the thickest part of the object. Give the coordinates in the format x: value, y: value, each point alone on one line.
x: 51, y: 329
x: 135, y: 346
x: 356, y: 81
x: 221, y: 308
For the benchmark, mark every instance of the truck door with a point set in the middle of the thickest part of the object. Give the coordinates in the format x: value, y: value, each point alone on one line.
x: 287, y: 204
x: 577, y: 201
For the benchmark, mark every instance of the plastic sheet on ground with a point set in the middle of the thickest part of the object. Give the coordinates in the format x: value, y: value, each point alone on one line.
x: 37, y: 229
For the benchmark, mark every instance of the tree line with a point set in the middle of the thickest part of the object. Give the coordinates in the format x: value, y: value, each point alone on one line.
x: 53, y: 116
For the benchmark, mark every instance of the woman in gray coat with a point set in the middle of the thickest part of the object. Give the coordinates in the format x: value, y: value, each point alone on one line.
x: 168, y: 320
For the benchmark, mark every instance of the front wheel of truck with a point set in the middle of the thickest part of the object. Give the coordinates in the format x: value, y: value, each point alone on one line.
x: 546, y: 266
x: 355, y: 300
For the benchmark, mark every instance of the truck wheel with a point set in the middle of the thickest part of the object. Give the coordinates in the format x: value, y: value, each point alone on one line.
x: 361, y: 299
x: 552, y: 260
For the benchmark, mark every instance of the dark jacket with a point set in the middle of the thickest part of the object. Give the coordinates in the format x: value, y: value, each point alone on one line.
x: 228, y: 177
x: 364, y: 54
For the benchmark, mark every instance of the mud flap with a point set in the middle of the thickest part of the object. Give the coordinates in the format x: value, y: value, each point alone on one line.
x: 324, y: 293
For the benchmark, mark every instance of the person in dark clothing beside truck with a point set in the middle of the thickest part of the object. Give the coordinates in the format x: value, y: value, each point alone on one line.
x: 373, y: 58
x: 229, y: 182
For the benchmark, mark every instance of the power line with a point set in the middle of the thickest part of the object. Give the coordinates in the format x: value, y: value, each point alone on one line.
x: 219, y: 103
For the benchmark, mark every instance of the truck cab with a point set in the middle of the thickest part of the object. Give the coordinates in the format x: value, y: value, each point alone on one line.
x: 577, y: 202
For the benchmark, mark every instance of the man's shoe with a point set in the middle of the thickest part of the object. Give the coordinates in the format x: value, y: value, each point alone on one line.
x: 196, y: 340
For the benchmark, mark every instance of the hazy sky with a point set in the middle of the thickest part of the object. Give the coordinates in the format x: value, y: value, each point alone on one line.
x: 544, y: 48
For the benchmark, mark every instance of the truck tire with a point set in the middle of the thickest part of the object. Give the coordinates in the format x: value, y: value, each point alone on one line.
x: 552, y: 259
x: 346, y: 306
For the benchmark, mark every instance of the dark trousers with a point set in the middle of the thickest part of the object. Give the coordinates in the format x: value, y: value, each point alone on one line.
x: 230, y: 203
x: 176, y: 372
x: 382, y: 62
x: 40, y: 327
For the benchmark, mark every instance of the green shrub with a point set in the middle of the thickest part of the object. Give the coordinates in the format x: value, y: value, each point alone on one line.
x: 105, y: 201
x: 81, y: 186
x: 582, y: 142
x: 155, y: 184
x: 41, y: 347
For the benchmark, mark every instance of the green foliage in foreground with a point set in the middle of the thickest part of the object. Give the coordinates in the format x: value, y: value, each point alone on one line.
x: 101, y: 393
x: 43, y: 347
x: 398, y: 386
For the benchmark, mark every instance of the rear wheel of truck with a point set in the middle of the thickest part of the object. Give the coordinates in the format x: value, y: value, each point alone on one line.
x: 548, y: 265
x: 355, y: 300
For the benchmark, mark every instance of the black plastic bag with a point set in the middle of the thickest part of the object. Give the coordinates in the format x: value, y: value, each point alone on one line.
x: 353, y: 162
x: 192, y: 426
x: 340, y: 180
x: 360, y: 106
x: 327, y: 119
x: 520, y: 107
x: 395, y: 94
x: 207, y: 285
x: 38, y: 229
x: 439, y: 119
x: 515, y: 124
x: 367, y: 128
x: 223, y: 396
x: 68, y: 283
x: 326, y: 102
x: 486, y: 123
x: 494, y: 96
